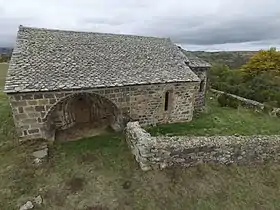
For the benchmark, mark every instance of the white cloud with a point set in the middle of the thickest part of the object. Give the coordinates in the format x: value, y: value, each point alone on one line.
x: 200, y: 24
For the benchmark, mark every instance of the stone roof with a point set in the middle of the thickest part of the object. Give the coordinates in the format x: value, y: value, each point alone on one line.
x: 194, y: 61
x: 47, y: 60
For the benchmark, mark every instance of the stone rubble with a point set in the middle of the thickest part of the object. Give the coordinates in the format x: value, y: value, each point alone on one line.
x: 161, y: 152
x: 26, y: 206
x: 38, y: 200
x: 40, y: 155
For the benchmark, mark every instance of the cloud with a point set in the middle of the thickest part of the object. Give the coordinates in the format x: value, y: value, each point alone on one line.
x: 200, y: 24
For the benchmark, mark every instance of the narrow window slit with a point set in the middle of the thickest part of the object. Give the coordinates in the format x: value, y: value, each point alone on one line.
x: 166, y: 102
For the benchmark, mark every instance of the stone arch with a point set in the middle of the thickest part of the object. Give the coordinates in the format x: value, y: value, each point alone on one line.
x: 82, y: 107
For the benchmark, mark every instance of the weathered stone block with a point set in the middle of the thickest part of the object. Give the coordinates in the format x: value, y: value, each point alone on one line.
x: 20, y: 110
x: 27, y: 97
x: 43, y: 102
x: 28, y: 121
x: 39, y: 108
x: 59, y: 95
x: 33, y: 131
x: 38, y: 96
x: 29, y: 109
x: 18, y: 103
x: 52, y: 101
x: 34, y: 115
x: 32, y: 102
x: 48, y: 95
x: 21, y: 116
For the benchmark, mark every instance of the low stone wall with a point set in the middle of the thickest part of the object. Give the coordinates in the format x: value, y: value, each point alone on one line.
x: 250, y: 104
x: 160, y: 152
x: 140, y: 143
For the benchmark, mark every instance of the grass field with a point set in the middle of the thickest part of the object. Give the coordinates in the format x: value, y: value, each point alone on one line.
x: 222, y: 121
x: 99, y: 173
x: 3, y: 72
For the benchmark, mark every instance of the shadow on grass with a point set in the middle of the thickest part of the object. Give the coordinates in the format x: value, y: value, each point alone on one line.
x: 106, y: 143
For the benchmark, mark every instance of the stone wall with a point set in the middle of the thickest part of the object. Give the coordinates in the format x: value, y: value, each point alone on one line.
x: 144, y: 103
x: 200, y: 97
x: 243, y: 101
x: 251, y: 104
x: 161, y: 152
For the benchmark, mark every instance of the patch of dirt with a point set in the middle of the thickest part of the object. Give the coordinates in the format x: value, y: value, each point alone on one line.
x: 56, y: 197
x: 75, y: 184
x: 88, y: 158
x: 79, y: 131
x: 98, y: 207
x: 126, y: 185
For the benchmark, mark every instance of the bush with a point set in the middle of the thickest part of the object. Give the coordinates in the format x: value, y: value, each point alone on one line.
x: 226, y: 100
x: 222, y: 100
x: 232, y: 102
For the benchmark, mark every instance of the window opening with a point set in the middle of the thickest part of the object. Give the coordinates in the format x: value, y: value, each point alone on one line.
x: 166, y: 102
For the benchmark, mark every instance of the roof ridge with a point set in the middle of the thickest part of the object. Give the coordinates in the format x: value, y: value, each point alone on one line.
x: 22, y: 28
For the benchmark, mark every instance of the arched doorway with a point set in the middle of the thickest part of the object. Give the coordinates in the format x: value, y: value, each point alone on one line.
x: 82, y: 114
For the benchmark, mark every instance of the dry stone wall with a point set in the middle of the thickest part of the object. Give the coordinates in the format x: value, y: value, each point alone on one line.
x: 144, y: 103
x: 160, y: 152
x: 243, y: 101
x: 200, y: 96
x: 250, y: 104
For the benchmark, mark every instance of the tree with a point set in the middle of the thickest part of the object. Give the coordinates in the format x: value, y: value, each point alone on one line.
x: 263, y: 61
x: 258, y: 79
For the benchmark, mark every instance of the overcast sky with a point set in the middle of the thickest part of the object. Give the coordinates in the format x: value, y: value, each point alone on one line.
x: 193, y: 24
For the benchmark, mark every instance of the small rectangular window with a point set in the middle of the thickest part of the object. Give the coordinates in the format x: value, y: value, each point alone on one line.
x: 166, y: 101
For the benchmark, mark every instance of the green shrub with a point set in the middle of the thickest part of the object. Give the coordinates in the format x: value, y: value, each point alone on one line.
x: 222, y: 100
x: 227, y: 100
x: 232, y: 102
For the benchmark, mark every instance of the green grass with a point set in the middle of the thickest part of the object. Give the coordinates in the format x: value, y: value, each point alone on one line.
x: 3, y: 73
x: 222, y: 121
x: 100, y: 171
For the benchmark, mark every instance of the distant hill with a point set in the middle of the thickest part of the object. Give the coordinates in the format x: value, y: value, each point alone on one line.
x: 5, y: 54
x: 6, y: 51
x: 233, y: 59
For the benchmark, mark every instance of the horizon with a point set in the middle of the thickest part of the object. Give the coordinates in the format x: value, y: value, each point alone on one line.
x: 219, y: 25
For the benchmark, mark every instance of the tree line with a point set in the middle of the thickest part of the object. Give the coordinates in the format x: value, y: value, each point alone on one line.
x: 258, y: 79
x: 4, y: 58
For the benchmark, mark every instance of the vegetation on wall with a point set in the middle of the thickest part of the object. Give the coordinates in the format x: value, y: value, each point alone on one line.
x: 258, y: 79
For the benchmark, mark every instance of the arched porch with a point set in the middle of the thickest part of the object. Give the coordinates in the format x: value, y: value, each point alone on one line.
x: 81, y: 114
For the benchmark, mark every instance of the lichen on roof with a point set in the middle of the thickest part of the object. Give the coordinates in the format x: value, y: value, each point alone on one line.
x: 47, y: 60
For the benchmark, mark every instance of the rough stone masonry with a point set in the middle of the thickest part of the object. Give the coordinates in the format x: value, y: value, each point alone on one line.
x: 144, y: 103
x: 161, y: 152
